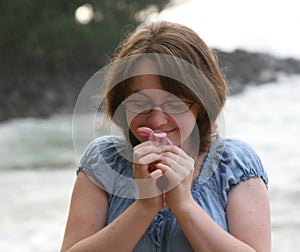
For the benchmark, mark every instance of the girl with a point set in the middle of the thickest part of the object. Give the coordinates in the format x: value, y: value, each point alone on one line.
x: 183, y: 189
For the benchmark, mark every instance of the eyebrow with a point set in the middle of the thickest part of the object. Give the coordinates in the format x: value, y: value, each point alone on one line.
x: 131, y: 92
x: 136, y: 91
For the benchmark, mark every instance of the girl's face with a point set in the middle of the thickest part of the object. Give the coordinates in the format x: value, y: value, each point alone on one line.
x: 147, y: 89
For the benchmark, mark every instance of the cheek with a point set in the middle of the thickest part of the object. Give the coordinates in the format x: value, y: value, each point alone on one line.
x: 133, y: 123
x: 186, y: 125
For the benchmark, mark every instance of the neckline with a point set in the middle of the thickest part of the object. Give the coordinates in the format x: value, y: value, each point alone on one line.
x: 207, y: 167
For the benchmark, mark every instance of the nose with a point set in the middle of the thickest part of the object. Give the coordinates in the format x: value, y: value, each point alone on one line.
x: 157, y: 118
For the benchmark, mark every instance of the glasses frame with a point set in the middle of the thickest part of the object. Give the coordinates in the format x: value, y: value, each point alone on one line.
x: 153, y: 106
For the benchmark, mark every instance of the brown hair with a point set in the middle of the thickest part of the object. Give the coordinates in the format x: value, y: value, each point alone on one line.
x: 205, y: 85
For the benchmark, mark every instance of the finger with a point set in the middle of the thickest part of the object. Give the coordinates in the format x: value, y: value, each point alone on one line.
x: 147, y: 159
x: 172, y: 176
x: 163, y: 168
x: 144, y: 149
x: 172, y: 157
x: 176, y: 150
x: 177, y: 164
x: 156, y: 174
x: 147, y: 143
x: 170, y: 162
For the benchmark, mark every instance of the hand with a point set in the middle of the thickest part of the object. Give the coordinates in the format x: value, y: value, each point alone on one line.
x: 146, y: 174
x: 178, y: 168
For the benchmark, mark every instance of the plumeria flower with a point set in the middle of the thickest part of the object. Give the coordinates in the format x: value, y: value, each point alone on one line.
x: 158, y: 137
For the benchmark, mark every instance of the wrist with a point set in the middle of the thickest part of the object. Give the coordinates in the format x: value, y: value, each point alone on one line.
x: 183, y: 207
x: 147, y: 207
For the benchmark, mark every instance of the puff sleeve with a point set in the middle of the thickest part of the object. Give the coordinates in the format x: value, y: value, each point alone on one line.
x: 239, y: 162
x: 106, y: 162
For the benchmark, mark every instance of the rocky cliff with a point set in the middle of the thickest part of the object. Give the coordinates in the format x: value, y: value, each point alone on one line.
x: 38, y: 93
x: 243, y: 68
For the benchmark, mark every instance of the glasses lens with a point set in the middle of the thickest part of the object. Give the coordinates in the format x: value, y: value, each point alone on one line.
x: 171, y: 107
x: 175, y: 107
x: 138, y: 107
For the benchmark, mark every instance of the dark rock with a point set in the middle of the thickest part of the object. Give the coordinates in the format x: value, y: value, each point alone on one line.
x: 243, y: 68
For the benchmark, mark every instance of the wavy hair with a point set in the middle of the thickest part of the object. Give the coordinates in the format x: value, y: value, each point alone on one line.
x: 204, y: 82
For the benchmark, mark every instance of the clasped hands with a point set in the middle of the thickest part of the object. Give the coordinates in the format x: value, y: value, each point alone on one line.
x: 163, y: 172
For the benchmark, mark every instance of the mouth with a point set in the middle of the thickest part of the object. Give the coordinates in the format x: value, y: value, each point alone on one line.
x: 170, y: 131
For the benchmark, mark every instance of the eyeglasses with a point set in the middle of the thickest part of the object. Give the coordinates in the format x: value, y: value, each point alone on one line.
x: 169, y: 107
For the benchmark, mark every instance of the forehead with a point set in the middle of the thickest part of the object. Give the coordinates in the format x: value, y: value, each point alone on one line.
x: 148, y: 86
x: 145, y: 77
x: 158, y: 95
x: 154, y: 85
x: 144, y: 82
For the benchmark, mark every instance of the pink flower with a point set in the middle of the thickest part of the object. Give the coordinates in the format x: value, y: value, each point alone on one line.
x: 157, y: 136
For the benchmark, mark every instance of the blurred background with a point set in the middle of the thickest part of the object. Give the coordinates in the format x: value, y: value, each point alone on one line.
x: 50, y: 49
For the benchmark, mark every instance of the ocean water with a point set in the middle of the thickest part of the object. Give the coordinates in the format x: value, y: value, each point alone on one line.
x: 38, y: 163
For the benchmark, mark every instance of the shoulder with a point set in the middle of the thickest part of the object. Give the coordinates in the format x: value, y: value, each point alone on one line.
x: 103, y: 150
x: 102, y: 143
x: 105, y: 160
x: 240, y: 162
x: 238, y: 153
x: 238, y: 149
x: 106, y: 145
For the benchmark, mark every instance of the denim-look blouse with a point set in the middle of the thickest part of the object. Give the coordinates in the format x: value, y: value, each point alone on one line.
x: 107, y: 161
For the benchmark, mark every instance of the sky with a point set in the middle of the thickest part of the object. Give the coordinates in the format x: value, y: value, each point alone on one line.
x: 270, y: 26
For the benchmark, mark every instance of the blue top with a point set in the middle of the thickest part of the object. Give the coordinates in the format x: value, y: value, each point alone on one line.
x: 107, y: 162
